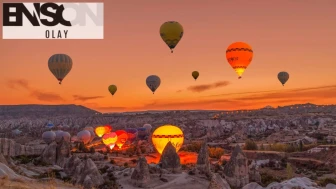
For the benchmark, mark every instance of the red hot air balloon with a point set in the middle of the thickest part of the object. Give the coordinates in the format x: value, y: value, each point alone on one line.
x: 122, y: 138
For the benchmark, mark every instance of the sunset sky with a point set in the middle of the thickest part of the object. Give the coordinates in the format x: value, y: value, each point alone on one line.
x: 297, y: 36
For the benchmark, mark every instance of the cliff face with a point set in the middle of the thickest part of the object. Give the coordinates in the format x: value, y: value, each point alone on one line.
x: 17, y: 111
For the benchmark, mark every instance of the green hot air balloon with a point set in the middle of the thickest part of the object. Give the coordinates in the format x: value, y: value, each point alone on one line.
x: 195, y: 74
x: 153, y: 82
x: 283, y: 77
x: 112, y: 89
x: 60, y: 65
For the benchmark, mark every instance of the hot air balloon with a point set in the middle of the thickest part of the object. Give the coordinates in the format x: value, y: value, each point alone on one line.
x: 48, y: 137
x: 59, y: 136
x: 112, y: 89
x: 84, y: 136
x: 148, y: 127
x: 171, y: 33
x: 89, y: 128
x: 283, y: 77
x: 50, y: 125
x: 122, y: 138
x: 239, y: 55
x: 93, y: 135
x: 110, y: 139
x: 60, y: 65
x: 16, y: 132
x: 142, y: 133
x: 195, y: 74
x: 108, y: 128
x: 132, y: 134
x: 153, y: 82
x: 100, y: 131
x: 66, y: 136
x: 162, y: 135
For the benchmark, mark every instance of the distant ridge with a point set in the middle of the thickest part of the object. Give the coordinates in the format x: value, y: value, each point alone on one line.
x: 36, y: 110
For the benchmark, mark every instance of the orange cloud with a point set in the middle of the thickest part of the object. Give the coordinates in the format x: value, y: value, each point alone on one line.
x: 86, y: 98
x: 249, y: 100
x: 205, y: 87
x: 18, y: 84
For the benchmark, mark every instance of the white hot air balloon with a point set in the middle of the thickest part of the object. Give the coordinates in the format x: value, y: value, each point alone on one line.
x: 48, y: 136
x: 84, y: 136
x: 59, y: 135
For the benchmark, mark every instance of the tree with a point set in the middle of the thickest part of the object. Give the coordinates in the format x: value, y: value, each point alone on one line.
x: 289, y: 170
x: 262, y: 147
x: 250, y: 145
x: 92, y: 150
x: 81, y: 147
x: 301, y: 146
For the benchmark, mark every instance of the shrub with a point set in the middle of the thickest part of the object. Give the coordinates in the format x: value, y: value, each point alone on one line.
x: 126, y: 164
x: 326, y: 181
x: 250, y: 145
x: 216, y: 152
x: 112, y: 161
x: 268, y: 179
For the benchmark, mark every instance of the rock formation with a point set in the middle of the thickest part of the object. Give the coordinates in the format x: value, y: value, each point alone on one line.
x: 63, y: 152
x: 254, y: 175
x: 49, y: 154
x: 203, y: 164
x: 217, y: 182
x: 236, y: 170
x: 169, y: 159
x: 9, y: 147
x: 300, y: 183
x: 140, y: 176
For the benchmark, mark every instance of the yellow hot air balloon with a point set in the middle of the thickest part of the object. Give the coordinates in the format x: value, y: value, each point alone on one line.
x: 112, y: 89
x: 239, y: 55
x: 162, y: 135
x: 171, y: 33
x: 195, y: 74
x: 100, y: 131
x: 60, y: 65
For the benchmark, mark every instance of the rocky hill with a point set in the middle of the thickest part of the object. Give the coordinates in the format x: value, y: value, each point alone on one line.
x: 31, y: 111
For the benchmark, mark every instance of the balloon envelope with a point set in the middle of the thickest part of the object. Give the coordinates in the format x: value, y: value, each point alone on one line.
x: 100, y: 131
x: 60, y: 65
x: 58, y: 136
x: 66, y: 136
x: 142, y: 133
x: 108, y: 128
x: 195, y: 74
x: 89, y: 128
x: 171, y: 33
x: 153, y: 82
x: 48, y: 136
x: 112, y: 89
x: 283, y: 77
x: 148, y: 127
x: 162, y: 135
x: 239, y: 55
x: 132, y: 134
x: 122, y: 138
x: 16, y: 132
x: 84, y: 136
x: 50, y: 125
x: 109, y: 139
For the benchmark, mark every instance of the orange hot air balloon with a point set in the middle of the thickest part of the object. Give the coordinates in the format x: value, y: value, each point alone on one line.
x: 110, y: 139
x: 122, y: 138
x: 239, y: 55
x: 108, y: 128
x: 100, y: 131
